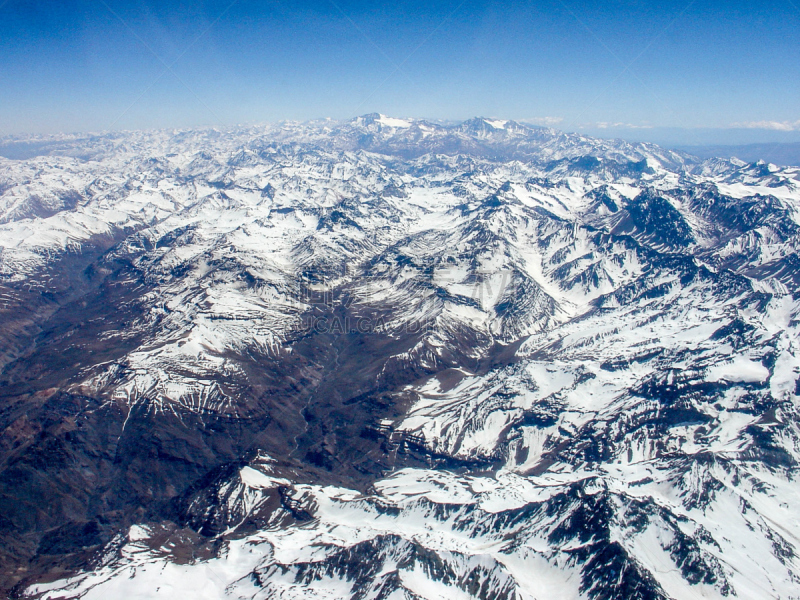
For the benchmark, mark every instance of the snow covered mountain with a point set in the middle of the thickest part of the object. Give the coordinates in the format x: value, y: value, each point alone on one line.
x: 390, y: 358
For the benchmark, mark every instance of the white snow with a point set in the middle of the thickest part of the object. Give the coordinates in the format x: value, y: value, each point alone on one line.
x: 496, y: 123
x: 393, y: 122
x: 738, y: 369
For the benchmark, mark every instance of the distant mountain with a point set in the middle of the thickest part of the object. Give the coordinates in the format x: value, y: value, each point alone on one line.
x: 390, y: 358
x: 783, y: 153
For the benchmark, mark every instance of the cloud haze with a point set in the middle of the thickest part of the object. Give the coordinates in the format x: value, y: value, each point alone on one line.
x: 773, y: 125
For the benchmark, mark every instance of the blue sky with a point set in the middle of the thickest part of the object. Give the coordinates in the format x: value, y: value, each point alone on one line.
x: 702, y: 71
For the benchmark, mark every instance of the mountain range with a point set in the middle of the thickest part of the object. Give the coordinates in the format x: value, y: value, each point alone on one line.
x: 394, y: 359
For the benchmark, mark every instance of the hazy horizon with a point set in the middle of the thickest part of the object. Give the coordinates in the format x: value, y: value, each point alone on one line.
x: 780, y: 147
